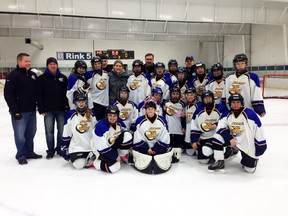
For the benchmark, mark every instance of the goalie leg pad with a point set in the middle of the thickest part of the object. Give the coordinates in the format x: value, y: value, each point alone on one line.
x: 207, y: 151
x: 162, y: 162
x: 142, y: 162
x: 79, y: 163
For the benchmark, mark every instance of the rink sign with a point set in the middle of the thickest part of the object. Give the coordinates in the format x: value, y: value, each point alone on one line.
x: 74, y: 55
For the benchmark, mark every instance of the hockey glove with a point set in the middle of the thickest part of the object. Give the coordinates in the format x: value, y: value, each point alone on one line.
x: 17, y: 116
x: 260, y: 149
x: 64, y: 150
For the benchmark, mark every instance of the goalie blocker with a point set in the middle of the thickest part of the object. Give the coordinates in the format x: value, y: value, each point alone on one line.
x: 152, y: 164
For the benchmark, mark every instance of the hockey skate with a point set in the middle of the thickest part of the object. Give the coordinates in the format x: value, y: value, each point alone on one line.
x: 90, y: 160
x: 217, y: 167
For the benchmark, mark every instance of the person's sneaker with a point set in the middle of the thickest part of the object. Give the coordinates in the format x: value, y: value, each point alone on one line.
x: 217, y: 167
x: 34, y: 156
x: 22, y: 161
x: 49, y: 156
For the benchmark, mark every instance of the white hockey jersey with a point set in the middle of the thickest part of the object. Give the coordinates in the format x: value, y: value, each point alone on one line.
x: 217, y: 88
x: 73, y: 85
x: 99, y: 88
x: 189, y: 111
x: 246, y: 129
x: 248, y: 85
x: 200, y: 86
x: 174, y: 115
x: 139, y: 88
x: 201, y: 125
x: 78, y: 130
x: 165, y: 83
x: 128, y: 113
x: 154, y: 134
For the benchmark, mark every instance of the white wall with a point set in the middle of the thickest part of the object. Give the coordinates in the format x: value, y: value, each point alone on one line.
x: 163, y: 50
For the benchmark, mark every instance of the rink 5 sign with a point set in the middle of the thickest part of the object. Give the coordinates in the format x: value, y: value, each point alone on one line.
x: 74, y: 55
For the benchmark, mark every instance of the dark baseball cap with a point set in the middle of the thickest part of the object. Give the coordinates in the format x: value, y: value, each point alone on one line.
x: 189, y: 58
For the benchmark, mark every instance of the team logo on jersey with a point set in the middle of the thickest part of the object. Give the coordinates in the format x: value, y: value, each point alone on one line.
x: 82, y: 127
x: 189, y: 118
x: 134, y: 85
x: 217, y: 94
x: 199, y: 90
x: 151, y: 134
x: 124, y: 115
x: 236, y: 130
x: 101, y: 85
x: 208, y: 125
x: 171, y: 111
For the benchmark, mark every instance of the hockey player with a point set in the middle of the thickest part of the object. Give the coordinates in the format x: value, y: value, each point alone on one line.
x: 77, y: 81
x: 217, y: 83
x: 174, y: 115
x: 173, y: 66
x: 241, y: 128
x: 99, y: 83
x: 163, y: 80
x: 182, y: 82
x: 203, y: 126
x: 201, y: 79
x: 128, y: 109
x: 138, y: 83
x: 78, y: 128
x: 157, y: 94
x: 111, y: 141
x: 190, y: 108
x: 151, y: 142
x: 246, y: 83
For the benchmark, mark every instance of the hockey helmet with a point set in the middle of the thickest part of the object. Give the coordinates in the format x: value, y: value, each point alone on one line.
x: 216, y: 66
x: 207, y: 93
x: 137, y: 62
x: 112, y: 109
x: 172, y: 62
x: 240, y: 57
x: 79, y: 96
x: 80, y: 63
x: 190, y: 90
x: 159, y: 64
x: 150, y: 102
x: 236, y: 97
x: 175, y: 89
x: 157, y: 90
x: 200, y: 64
x: 95, y: 59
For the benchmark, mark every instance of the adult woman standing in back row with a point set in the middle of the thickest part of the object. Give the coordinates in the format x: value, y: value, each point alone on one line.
x: 117, y: 78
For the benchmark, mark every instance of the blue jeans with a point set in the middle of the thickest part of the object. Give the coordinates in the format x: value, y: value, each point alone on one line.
x: 49, y: 123
x: 24, y: 132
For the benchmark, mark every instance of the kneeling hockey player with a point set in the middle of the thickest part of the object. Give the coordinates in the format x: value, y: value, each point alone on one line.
x: 151, y: 142
x: 77, y: 133
x: 242, y: 128
x: 111, y: 140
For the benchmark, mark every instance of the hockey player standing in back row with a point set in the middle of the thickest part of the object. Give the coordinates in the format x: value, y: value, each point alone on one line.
x: 99, y: 83
x: 128, y: 109
x: 163, y: 80
x: 241, y: 128
x: 111, y: 140
x: 77, y: 134
x: 138, y: 83
x: 203, y: 126
x: 201, y: 79
x: 78, y: 81
x: 246, y: 83
x: 175, y: 117
x: 173, y: 66
x: 182, y: 82
x: 217, y: 83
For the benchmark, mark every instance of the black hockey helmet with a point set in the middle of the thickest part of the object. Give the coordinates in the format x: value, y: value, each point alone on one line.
x: 172, y: 62
x: 80, y: 63
x: 79, y: 96
x: 200, y: 64
x: 236, y: 97
x: 157, y: 90
x: 175, y: 89
x: 112, y: 109
x: 160, y: 64
x: 207, y: 93
x: 183, y: 71
x: 190, y: 90
x: 240, y: 57
x: 216, y: 66
x: 96, y: 59
x: 137, y: 62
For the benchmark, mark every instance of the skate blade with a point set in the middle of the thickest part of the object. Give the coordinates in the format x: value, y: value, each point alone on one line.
x: 220, y: 171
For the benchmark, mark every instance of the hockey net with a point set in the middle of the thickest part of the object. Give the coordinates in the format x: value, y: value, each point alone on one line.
x: 275, y: 86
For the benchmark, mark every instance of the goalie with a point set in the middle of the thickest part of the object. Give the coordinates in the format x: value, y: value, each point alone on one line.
x: 151, y: 142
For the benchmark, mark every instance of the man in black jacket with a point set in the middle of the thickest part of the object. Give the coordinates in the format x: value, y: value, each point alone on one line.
x: 21, y: 98
x: 52, y: 103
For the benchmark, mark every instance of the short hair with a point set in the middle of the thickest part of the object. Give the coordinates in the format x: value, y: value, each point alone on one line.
x: 21, y: 55
x: 118, y: 61
x: 149, y: 54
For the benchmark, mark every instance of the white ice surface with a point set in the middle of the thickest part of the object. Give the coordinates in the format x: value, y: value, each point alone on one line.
x: 53, y: 187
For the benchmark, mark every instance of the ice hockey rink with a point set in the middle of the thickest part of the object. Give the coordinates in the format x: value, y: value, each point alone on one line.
x: 54, y: 187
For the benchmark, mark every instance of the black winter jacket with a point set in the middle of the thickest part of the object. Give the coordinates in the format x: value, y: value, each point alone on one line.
x: 52, y: 92
x: 115, y: 83
x: 20, y: 91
